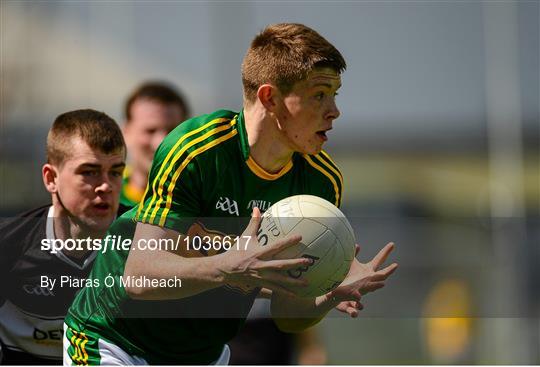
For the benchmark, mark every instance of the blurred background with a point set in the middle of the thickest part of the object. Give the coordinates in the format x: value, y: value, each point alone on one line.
x: 438, y: 141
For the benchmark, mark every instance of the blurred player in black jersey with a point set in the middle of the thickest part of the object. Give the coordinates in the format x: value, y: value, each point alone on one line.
x: 85, y: 161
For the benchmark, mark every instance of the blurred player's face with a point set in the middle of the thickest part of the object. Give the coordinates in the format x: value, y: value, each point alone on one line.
x: 87, y: 186
x: 309, y: 110
x: 150, y: 122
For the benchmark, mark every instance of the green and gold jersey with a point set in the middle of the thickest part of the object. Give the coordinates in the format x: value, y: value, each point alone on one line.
x: 201, y: 180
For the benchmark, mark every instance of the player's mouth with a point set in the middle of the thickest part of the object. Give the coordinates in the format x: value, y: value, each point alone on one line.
x: 102, y: 208
x: 322, y: 134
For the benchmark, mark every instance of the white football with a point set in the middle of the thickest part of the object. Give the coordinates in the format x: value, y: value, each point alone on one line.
x: 327, y: 239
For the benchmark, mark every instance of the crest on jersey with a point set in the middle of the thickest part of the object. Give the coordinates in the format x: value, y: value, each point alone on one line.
x: 228, y: 205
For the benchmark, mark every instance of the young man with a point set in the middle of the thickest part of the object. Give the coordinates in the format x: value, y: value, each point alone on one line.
x: 83, y: 173
x: 152, y: 111
x: 222, y: 165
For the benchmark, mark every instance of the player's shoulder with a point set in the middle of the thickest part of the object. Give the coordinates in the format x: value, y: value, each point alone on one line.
x: 195, y: 136
x: 24, y: 222
x: 325, y: 174
x: 200, y: 128
x: 19, y: 233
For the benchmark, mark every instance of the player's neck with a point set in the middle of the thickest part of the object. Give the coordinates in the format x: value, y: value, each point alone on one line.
x: 265, y: 145
x: 65, y: 228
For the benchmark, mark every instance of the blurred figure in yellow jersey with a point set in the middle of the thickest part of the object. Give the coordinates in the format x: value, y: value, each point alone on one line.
x: 152, y: 111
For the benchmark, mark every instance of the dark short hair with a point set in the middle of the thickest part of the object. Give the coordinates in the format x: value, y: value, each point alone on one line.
x: 95, y: 128
x: 160, y: 92
x: 283, y: 54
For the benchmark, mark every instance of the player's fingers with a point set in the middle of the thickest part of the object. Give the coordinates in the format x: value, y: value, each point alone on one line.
x: 270, y: 250
x: 383, y: 274
x: 353, y: 312
x: 274, y: 287
x: 254, y: 223
x: 344, y: 305
x: 284, y: 264
x: 356, y: 304
x: 282, y: 279
x: 350, y: 295
x: 381, y: 257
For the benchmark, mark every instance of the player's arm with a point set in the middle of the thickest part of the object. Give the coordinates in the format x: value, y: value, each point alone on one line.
x: 248, y: 265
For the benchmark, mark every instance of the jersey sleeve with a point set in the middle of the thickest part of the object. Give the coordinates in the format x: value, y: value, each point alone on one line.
x: 173, y: 195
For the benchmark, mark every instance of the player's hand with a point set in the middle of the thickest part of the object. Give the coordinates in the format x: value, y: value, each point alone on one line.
x: 351, y: 308
x: 362, y: 279
x: 251, y: 265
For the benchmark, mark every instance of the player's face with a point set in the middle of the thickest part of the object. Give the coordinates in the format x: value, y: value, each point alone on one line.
x: 310, y: 109
x: 88, y: 185
x: 150, y: 122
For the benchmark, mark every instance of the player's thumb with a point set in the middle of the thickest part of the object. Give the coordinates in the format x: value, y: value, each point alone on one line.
x: 254, y: 223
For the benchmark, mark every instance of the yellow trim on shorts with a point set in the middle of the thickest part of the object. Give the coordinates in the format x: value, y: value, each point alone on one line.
x: 80, y: 357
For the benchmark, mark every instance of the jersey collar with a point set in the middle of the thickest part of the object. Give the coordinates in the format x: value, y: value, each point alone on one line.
x: 49, y: 232
x: 244, y: 148
x: 244, y: 143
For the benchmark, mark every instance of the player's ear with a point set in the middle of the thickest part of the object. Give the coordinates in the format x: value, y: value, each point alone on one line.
x: 49, y: 175
x: 267, y: 95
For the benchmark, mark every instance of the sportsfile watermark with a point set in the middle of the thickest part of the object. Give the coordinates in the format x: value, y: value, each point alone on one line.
x: 448, y: 267
x: 120, y: 243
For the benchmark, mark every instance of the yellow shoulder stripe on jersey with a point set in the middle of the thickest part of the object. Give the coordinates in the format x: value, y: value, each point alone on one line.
x: 186, y: 161
x: 327, y: 156
x: 327, y: 174
x: 168, y: 166
x: 331, y: 168
x: 260, y: 172
x: 179, y: 154
x: 169, y: 155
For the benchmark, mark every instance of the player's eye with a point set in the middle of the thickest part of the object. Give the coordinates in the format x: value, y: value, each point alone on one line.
x: 319, y: 96
x: 89, y: 173
x: 116, y: 173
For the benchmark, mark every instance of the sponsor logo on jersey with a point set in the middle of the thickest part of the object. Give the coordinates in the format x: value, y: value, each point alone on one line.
x: 227, y: 205
x: 47, y: 334
x: 261, y: 204
x: 36, y: 290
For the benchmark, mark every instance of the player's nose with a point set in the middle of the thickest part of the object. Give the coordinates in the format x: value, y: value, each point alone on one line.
x: 105, y: 185
x: 333, y: 112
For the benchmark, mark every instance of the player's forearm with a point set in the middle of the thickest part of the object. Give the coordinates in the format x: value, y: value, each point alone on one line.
x: 297, y: 314
x: 196, y: 275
